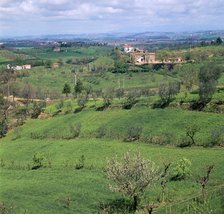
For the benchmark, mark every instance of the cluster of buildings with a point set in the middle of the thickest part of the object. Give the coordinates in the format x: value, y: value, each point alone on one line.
x: 19, y: 67
x: 141, y: 57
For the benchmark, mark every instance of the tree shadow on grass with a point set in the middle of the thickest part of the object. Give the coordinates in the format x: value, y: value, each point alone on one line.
x: 118, y: 206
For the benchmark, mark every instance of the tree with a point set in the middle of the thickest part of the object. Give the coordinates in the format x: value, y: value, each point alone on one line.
x: 108, y: 96
x: 189, y: 76
x: 67, y: 89
x: 78, y: 87
x: 208, y: 77
x: 7, y: 76
x: 167, y: 93
x: 131, y: 175
x: 82, y: 100
x: 203, y: 180
x: 191, y: 131
x: 218, y: 41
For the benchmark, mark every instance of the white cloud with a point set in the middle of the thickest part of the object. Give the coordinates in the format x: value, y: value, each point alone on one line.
x: 124, y: 14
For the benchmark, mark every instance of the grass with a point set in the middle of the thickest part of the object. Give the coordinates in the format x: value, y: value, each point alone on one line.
x: 49, y: 189
x: 155, y: 122
x: 45, y: 190
x: 73, y: 52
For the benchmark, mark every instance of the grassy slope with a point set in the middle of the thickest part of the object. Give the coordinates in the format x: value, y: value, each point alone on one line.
x: 53, y: 80
x: 46, y: 188
x: 74, y: 52
x: 154, y: 122
x: 42, y: 190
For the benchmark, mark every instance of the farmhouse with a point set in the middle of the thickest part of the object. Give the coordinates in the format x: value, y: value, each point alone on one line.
x: 140, y: 58
x: 128, y: 48
x: 19, y: 67
x: 57, y: 49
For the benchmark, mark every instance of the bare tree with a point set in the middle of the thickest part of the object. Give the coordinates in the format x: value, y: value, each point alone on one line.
x: 131, y: 175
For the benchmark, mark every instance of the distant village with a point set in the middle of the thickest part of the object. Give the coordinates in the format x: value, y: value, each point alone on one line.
x: 141, y: 57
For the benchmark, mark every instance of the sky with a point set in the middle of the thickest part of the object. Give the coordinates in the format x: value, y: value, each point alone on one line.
x: 44, y: 17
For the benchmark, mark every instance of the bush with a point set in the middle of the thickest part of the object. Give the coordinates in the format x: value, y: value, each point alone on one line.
x: 59, y: 105
x: 133, y: 133
x: 17, y: 133
x: 130, y: 102
x: 181, y: 169
x: 101, y: 131
x: 75, y: 130
x: 81, y: 163
x: 38, y: 161
x: 217, y: 137
x: 82, y: 100
x: 3, y: 128
x: 37, y: 109
x: 39, y: 135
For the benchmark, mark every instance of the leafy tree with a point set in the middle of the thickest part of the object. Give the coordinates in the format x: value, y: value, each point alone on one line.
x: 108, y: 96
x: 208, y: 77
x: 119, y: 93
x: 189, y: 76
x: 130, y: 101
x: 131, y: 175
x: 82, y: 100
x: 167, y: 93
x: 78, y: 87
x: 67, y: 89
x: 120, y: 66
x: 219, y: 41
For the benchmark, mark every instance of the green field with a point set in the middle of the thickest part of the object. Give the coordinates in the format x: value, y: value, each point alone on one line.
x: 58, y: 186
x: 43, y: 191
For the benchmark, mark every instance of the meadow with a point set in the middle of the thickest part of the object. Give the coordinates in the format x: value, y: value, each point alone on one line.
x: 45, y: 190
x: 60, y: 185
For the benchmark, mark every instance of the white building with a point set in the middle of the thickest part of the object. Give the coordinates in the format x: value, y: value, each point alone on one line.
x: 128, y: 48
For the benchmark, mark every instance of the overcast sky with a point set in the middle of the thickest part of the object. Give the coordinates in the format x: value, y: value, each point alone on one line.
x: 38, y: 17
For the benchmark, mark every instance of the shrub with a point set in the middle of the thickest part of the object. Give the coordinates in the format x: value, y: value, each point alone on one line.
x: 75, y: 130
x: 81, y: 163
x: 217, y: 137
x: 3, y: 128
x: 37, y: 109
x: 59, y: 105
x: 181, y: 169
x: 39, y: 135
x: 130, y: 102
x: 133, y: 133
x: 101, y: 131
x: 38, y: 161
x: 82, y: 100
x: 17, y: 133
